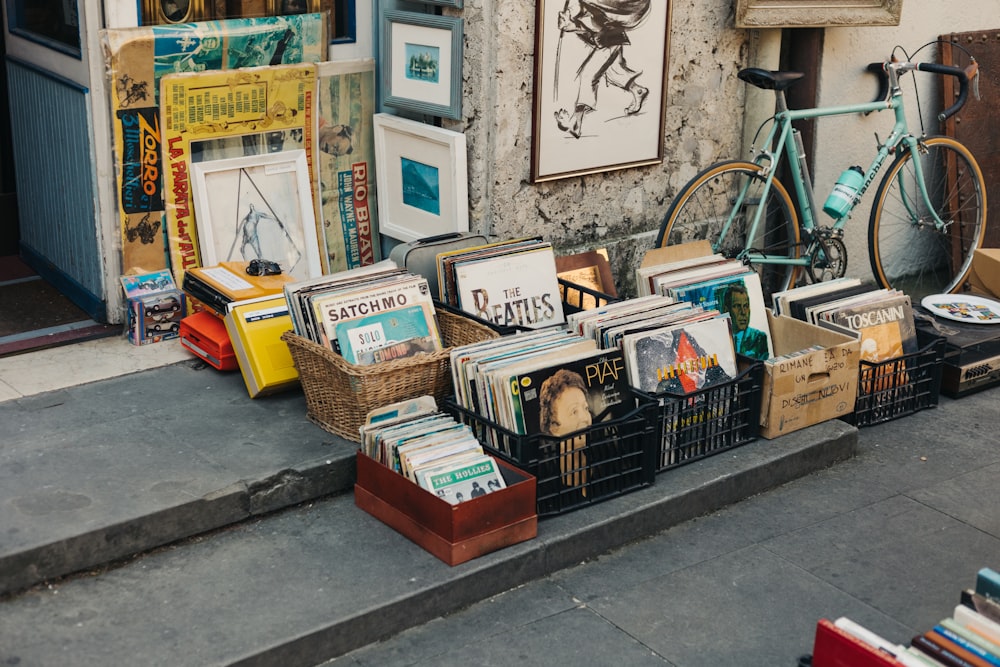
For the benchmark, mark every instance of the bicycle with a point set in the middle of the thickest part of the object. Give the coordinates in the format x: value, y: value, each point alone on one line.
x: 927, y: 219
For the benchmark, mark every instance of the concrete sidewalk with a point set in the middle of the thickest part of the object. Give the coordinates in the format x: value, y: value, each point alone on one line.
x: 208, y: 528
x: 888, y: 538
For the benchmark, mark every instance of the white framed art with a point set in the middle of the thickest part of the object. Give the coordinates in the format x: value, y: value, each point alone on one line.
x: 257, y: 207
x: 422, y: 180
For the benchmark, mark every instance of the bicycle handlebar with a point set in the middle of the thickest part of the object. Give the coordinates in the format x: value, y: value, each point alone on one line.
x: 878, y: 69
x: 962, y: 74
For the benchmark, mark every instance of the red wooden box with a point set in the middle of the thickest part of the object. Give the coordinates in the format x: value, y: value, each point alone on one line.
x: 453, y: 533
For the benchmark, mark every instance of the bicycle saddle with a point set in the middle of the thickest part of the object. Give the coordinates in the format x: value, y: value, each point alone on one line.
x: 769, y: 80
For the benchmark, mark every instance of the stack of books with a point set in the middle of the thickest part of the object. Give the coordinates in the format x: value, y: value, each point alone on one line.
x: 970, y: 637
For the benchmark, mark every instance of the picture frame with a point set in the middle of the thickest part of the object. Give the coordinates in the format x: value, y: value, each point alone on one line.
x: 164, y: 12
x: 421, y: 63
x: 257, y: 207
x: 589, y: 270
x: 598, y: 109
x: 817, y: 13
x: 422, y: 184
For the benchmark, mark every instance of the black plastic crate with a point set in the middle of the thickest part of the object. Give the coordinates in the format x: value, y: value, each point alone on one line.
x: 616, y: 456
x: 898, y: 387
x: 708, y: 421
x: 577, y: 297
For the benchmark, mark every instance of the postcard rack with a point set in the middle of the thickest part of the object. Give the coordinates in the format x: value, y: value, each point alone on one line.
x: 899, y: 387
x: 708, y: 421
x: 603, y: 461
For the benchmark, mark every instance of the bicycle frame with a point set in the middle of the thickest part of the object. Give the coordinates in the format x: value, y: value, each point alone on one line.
x: 781, y: 141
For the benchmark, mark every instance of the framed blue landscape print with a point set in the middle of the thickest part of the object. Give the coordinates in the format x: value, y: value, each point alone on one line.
x: 421, y: 63
x: 422, y: 180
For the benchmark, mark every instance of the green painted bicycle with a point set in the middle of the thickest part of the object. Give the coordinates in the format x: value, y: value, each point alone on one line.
x: 927, y: 218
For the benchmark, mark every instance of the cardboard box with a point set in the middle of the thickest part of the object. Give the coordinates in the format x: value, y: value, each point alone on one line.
x: 809, y: 388
x: 984, y: 278
x: 453, y: 533
x: 204, y: 335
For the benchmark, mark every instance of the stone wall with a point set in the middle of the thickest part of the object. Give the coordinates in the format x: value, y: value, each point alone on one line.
x: 619, y: 210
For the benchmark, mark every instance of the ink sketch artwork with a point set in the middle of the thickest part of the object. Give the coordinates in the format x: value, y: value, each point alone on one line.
x: 421, y: 186
x: 599, y: 98
x: 257, y: 207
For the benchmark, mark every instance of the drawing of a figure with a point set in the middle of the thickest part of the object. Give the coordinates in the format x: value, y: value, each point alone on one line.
x: 248, y: 235
x: 603, y: 25
x: 145, y: 230
x: 131, y: 91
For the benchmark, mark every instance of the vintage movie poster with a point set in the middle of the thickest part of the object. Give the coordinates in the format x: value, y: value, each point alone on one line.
x: 136, y: 59
x: 219, y: 115
x: 346, y: 157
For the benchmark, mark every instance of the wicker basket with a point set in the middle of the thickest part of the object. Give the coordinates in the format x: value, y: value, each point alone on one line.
x: 339, y: 395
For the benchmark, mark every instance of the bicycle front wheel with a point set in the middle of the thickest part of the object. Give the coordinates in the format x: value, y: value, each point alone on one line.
x: 736, y: 189
x: 907, y: 250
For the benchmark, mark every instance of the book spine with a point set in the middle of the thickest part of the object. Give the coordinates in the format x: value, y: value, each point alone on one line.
x: 988, y: 583
x: 835, y: 647
x: 940, y: 653
x: 982, y: 605
x: 967, y: 644
x: 967, y: 657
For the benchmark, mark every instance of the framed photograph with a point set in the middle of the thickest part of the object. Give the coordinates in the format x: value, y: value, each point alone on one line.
x: 816, y: 13
x: 421, y: 63
x: 600, y: 90
x: 421, y: 178
x: 257, y: 207
x: 156, y: 12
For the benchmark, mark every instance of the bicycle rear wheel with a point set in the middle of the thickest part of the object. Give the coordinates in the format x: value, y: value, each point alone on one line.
x: 703, y: 205
x: 906, y: 250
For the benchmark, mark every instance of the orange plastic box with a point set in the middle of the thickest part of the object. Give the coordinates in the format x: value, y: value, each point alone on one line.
x: 204, y: 335
x: 453, y: 533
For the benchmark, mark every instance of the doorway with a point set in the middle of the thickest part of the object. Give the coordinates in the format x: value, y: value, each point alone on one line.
x: 34, y: 312
x: 9, y: 224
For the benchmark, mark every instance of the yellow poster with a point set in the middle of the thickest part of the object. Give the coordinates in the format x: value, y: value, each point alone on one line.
x: 210, y: 116
x: 136, y: 59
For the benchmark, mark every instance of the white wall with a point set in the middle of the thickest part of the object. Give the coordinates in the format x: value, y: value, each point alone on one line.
x: 846, y: 140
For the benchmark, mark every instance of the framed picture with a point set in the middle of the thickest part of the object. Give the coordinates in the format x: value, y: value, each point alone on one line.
x: 421, y: 63
x: 816, y: 13
x: 421, y: 178
x: 175, y: 11
x: 257, y: 207
x: 600, y: 90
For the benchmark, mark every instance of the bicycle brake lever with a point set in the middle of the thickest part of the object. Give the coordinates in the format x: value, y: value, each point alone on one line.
x: 974, y: 67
